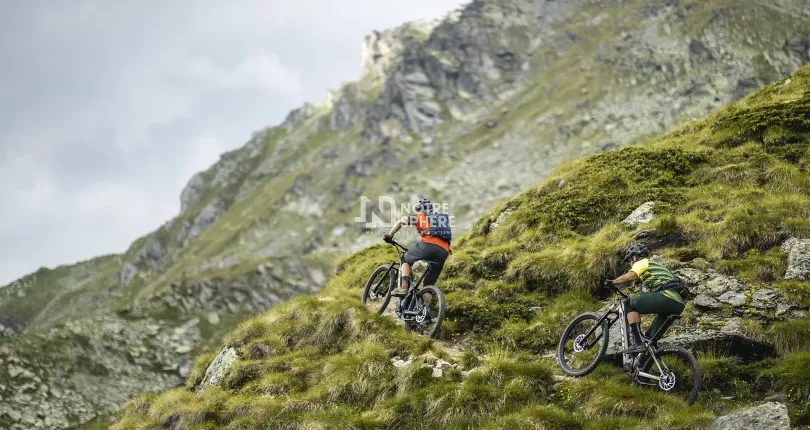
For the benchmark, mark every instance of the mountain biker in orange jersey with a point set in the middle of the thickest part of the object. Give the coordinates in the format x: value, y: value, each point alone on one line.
x: 664, y: 298
x: 432, y: 248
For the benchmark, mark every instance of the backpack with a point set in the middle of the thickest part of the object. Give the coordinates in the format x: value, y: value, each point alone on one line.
x: 439, y: 226
x: 682, y: 289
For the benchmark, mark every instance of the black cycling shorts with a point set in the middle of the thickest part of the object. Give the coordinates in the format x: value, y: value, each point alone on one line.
x: 435, y: 255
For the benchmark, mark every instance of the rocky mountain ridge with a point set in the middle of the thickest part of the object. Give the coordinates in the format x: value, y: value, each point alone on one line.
x: 442, y: 108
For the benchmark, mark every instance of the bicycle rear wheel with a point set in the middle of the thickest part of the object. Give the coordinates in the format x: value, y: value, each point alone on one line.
x: 428, y: 320
x: 679, y: 373
x: 578, y: 355
x: 377, y: 292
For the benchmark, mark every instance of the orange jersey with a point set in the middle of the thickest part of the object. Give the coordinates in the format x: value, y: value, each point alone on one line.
x: 422, y: 225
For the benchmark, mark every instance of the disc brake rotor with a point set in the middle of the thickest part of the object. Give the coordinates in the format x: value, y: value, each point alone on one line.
x: 578, y: 343
x: 667, y: 381
x: 422, y: 315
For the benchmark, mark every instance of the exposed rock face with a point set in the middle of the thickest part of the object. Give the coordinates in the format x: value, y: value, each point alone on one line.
x: 381, y: 49
x: 207, y: 216
x: 347, y: 107
x: 7, y: 325
x: 641, y: 215
x: 798, y: 263
x: 191, y: 193
x: 218, y: 367
x: 127, y: 273
x: 153, y: 251
x: 771, y: 415
x: 71, y: 384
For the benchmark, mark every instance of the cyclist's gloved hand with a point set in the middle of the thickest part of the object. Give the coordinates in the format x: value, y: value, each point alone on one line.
x: 387, y: 238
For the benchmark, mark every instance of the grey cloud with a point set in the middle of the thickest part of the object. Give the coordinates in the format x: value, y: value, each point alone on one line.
x: 109, y: 104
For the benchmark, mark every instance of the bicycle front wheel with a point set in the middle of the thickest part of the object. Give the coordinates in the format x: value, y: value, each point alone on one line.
x: 678, y: 371
x: 377, y: 292
x: 578, y: 352
x: 429, y: 307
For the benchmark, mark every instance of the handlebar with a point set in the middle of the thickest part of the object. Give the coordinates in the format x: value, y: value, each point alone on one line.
x: 621, y: 293
x: 396, y: 244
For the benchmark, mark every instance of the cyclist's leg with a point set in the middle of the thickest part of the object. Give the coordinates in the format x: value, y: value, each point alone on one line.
x: 659, y: 304
x: 414, y: 254
x: 435, y: 256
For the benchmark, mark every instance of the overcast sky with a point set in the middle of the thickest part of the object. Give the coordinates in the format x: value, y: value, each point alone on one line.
x: 108, y: 107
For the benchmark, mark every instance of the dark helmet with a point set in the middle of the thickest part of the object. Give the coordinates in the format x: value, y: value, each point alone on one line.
x: 636, y: 250
x: 424, y: 205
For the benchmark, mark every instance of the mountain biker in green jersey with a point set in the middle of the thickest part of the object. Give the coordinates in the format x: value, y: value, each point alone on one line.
x: 663, y: 299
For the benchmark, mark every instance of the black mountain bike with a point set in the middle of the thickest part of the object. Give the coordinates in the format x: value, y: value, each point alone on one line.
x: 672, y: 369
x: 422, y: 310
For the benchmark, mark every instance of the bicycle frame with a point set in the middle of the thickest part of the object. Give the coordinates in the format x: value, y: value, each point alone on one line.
x: 617, y: 313
x: 405, y: 312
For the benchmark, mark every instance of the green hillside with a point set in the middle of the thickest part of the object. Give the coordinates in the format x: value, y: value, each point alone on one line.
x: 473, y: 107
x: 729, y: 190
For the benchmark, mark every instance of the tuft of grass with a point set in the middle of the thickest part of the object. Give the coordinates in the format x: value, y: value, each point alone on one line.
x: 796, y: 291
x: 543, y: 331
x: 756, y: 266
x: 792, y: 376
x: 539, y: 417
x: 790, y: 336
x: 786, y: 336
x: 361, y: 377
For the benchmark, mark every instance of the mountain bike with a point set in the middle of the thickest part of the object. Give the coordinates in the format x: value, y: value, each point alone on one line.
x: 672, y: 369
x: 422, y: 310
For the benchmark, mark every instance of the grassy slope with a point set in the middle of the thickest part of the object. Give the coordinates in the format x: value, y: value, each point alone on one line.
x: 734, y: 184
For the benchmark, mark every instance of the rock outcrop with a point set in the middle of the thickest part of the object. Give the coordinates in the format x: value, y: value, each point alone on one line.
x: 641, y: 215
x: 7, y: 325
x: 771, y: 416
x: 218, y: 368
x: 798, y: 263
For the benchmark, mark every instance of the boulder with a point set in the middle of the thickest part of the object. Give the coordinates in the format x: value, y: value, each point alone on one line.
x: 765, y: 298
x: 719, y: 334
x: 733, y: 298
x: 641, y: 215
x: 400, y: 363
x: 771, y: 415
x: 798, y: 261
x: 704, y: 301
x: 218, y: 367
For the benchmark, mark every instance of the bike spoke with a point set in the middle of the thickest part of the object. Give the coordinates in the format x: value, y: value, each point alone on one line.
x: 376, y: 294
x: 580, y: 351
x: 676, y: 371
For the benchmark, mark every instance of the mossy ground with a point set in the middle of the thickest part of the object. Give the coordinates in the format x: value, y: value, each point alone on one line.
x: 732, y: 187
